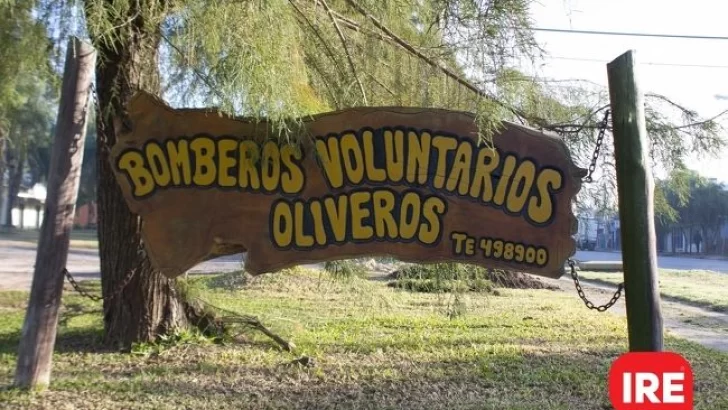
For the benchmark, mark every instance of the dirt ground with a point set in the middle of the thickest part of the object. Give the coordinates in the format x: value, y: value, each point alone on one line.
x: 693, y: 323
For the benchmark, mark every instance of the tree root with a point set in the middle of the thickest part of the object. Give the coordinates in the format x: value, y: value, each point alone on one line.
x: 203, y: 315
x: 253, y: 322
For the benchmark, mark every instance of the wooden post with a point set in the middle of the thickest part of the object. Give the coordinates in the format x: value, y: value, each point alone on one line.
x: 636, y: 212
x: 41, y: 319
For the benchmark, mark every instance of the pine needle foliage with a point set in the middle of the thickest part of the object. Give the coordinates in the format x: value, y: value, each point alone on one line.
x: 24, y: 56
x: 288, y: 59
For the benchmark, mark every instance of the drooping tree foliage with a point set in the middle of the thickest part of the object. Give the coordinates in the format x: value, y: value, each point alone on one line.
x: 284, y: 59
x: 26, y: 77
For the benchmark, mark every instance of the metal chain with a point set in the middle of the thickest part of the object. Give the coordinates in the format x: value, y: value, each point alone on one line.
x: 111, y: 296
x: 602, y: 126
x: 587, y: 302
x: 100, y: 124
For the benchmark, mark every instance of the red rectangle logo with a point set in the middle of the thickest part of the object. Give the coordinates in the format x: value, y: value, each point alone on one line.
x: 651, y: 381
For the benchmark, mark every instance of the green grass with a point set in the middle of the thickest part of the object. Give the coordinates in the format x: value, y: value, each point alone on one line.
x: 702, y: 288
x: 373, y: 346
x: 79, y: 239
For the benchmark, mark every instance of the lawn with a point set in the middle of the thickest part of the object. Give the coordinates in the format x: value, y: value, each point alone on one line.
x: 372, y: 346
x: 702, y: 288
x: 85, y: 239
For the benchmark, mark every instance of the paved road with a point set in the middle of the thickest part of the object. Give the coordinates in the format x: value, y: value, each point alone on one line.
x: 17, y: 260
x: 664, y: 262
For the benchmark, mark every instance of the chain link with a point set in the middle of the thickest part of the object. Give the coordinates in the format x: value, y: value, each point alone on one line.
x: 94, y: 96
x: 77, y: 287
x: 587, y: 302
x: 600, y: 139
x: 100, y: 124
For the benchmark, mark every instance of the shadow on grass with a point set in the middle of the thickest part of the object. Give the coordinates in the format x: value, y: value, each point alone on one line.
x: 523, y: 381
x: 211, y: 377
x: 81, y: 340
x: 88, y: 339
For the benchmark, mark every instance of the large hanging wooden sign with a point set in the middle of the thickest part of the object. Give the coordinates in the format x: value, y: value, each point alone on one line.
x: 405, y: 182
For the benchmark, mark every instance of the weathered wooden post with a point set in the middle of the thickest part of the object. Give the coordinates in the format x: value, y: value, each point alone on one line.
x: 41, y: 319
x: 636, y: 212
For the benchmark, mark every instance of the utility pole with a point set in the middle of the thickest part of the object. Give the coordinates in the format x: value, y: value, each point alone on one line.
x: 636, y: 211
x: 41, y: 319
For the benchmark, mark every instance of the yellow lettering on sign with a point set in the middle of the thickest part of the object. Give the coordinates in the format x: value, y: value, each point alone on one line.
x: 418, y: 157
x: 373, y: 173
x: 282, y: 224
x: 354, y: 166
x: 226, y: 161
x: 247, y: 171
x: 488, y: 160
x: 461, y: 169
x: 158, y: 164
x: 443, y: 145
x: 336, y: 211
x: 394, y: 154
x: 359, y: 231
x: 441, y: 161
x: 132, y: 162
x: 409, y: 215
x: 318, y: 226
x: 302, y: 240
x: 540, y: 208
x: 330, y: 156
x: 179, y: 162
x: 270, y: 166
x: 292, y: 179
x: 205, y: 170
x: 385, y: 225
x: 505, y: 178
x: 522, y: 181
x: 432, y: 210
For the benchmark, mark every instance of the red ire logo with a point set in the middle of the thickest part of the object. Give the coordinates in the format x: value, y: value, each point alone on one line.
x: 651, y: 381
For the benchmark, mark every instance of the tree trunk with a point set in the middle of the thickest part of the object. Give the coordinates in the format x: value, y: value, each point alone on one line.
x: 16, y: 178
x: 3, y: 164
x: 38, y: 336
x: 148, y: 305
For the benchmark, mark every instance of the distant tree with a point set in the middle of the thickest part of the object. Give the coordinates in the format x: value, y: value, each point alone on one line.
x: 695, y: 205
x: 29, y: 137
x: 24, y: 52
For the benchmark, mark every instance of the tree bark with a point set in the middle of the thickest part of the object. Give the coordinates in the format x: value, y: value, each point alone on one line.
x: 3, y: 163
x: 147, y: 306
x: 39, y: 329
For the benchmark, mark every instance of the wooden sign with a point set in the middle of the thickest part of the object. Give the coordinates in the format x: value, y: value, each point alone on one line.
x: 411, y: 183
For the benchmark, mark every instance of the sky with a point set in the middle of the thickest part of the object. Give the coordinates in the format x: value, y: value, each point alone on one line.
x: 698, y: 88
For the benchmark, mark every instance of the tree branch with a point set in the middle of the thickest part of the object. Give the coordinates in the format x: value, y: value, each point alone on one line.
x: 316, y: 32
x: 202, y: 77
x: 412, y: 50
x: 346, y: 51
x: 695, y: 124
x: 252, y: 321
